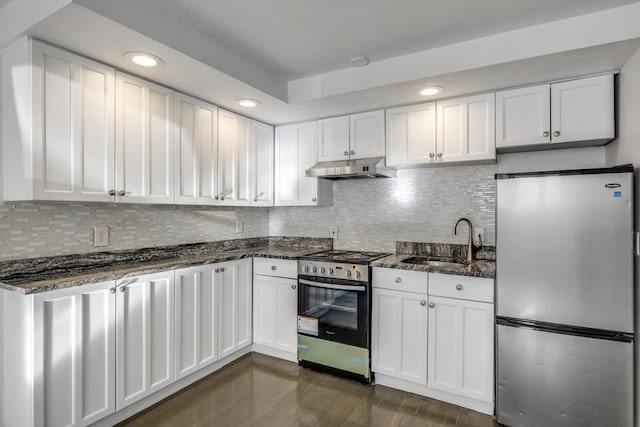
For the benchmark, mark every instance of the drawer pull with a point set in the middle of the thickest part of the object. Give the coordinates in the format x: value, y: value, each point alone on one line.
x: 423, y: 303
x: 273, y: 267
x: 293, y: 286
x: 431, y: 305
x: 459, y: 287
x: 398, y: 280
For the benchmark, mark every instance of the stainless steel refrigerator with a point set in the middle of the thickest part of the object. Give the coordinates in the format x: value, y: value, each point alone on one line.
x: 565, y: 298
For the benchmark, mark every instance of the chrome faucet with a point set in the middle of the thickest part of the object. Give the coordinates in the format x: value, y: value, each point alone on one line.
x: 470, y: 242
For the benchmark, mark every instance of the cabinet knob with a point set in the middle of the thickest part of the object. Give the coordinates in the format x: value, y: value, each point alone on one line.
x: 273, y: 267
x: 439, y: 155
x: 313, y: 199
x: 398, y: 280
x: 122, y: 193
x: 216, y: 270
x: 221, y: 269
x: 431, y: 305
x: 112, y: 192
x: 221, y: 197
x: 545, y: 134
x: 293, y: 286
x: 346, y: 153
x: 432, y: 155
x: 124, y: 288
x: 423, y: 303
x: 556, y: 133
x: 112, y: 290
x: 459, y: 287
x: 352, y: 152
x: 217, y: 197
x: 255, y: 199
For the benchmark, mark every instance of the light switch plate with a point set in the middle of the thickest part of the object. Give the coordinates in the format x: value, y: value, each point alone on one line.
x: 100, y: 235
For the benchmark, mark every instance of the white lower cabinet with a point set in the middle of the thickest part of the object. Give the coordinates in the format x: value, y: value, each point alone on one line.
x: 275, y: 307
x: 461, y: 347
x: 399, y: 334
x: 144, y: 336
x: 234, y: 316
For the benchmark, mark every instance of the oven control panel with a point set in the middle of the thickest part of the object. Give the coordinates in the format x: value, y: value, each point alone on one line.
x: 335, y: 270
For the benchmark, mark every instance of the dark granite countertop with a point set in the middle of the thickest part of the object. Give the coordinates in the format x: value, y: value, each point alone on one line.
x: 484, y: 264
x: 35, y: 275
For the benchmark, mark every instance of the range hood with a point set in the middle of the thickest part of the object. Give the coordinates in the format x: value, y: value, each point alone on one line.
x: 372, y: 167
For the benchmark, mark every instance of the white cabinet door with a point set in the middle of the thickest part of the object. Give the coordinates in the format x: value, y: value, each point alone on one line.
x: 275, y: 306
x: 144, y: 336
x: 196, y: 151
x: 58, y: 113
x: 234, y: 159
x: 196, y: 318
x: 411, y: 135
x: 144, y: 141
x: 367, y: 135
x: 77, y: 357
x: 466, y: 129
x: 333, y: 139
x: 583, y: 110
x: 461, y: 347
x: 234, y: 321
x: 262, y: 164
x: 523, y: 116
x: 399, y: 335
x: 296, y: 151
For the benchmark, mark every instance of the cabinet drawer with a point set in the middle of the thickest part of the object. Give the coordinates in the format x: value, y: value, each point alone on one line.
x: 461, y: 287
x: 401, y: 280
x: 275, y: 267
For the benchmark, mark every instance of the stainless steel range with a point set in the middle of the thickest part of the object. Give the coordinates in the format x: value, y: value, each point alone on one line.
x: 334, y: 312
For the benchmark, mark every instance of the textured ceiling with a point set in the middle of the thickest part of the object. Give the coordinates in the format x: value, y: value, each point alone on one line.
x: 297, y: 38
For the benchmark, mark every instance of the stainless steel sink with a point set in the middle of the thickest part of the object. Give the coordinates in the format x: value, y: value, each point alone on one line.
x: 437, y: 262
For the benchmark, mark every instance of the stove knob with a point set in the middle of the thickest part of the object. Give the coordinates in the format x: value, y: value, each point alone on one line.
x: 331, y: 271
x: 322, y: 270
x: 357, y: 274
x: 306, y: 268
x: 348, y: 273
x: 315, y: 269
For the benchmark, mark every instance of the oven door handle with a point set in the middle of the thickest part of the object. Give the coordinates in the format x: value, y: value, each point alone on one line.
x: 330, y: 286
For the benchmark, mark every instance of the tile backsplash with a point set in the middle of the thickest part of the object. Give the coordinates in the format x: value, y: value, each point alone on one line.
x: 418, y: 205
x: 29, y: 229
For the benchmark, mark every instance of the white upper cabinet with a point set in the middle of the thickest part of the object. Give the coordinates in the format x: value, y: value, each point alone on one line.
x: 196, y: 151
x: 583, y: 110
x: 466, y: 129
x: 411, y: 135
x: 333, y: 139
x: 58, y: 115
x: 351, y: 137
x: 144, y: 141
x: 522, y: 116
x: 234, y: 159
x: 296, y: 151
x: 579, y: 111
x: 367, y: 136
x: 262, y: 150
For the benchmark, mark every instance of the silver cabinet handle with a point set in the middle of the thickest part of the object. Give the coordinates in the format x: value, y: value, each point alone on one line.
x: 221, y: 269
x: 313, y: 199
x: 352, y: 152
x: 398, y: 280
x: 122, y: 193
x: 432, y: 155
x: 346, y: 153
x: 423, y: 303
x: 216, y: 270
x: 221, y: 197
x: 459, y: 287
x: 112, y: 192
x: 123, y: 288
x: 273, y: 267
x: 431, y: 305
x: 439, y: 155
x: 293, y: 286
x: 112, y: 290
x: 545, y: 134
x: 556, y: 133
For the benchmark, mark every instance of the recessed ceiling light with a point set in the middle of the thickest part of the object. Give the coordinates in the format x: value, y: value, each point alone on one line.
x: 431, y: 90
x: 359, y: 61
x: 144, y: 59
x: 248, y: 102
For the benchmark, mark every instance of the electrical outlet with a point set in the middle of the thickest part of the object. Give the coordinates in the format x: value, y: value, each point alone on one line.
x: 239, y: 226
x: 333, y: 232
x: 100, y: 235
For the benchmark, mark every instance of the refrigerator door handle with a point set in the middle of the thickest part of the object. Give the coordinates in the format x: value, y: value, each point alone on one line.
x: 636, y: 243
x: 579, y: 331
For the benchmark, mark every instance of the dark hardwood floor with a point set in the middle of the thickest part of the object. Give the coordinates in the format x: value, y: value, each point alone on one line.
x: 259, y: 390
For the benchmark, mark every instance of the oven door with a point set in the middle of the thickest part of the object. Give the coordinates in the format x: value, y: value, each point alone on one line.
x: 334, y: 310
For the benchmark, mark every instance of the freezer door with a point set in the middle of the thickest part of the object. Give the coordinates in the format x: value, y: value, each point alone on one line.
x: 553, y: 380
x: 565, y: 250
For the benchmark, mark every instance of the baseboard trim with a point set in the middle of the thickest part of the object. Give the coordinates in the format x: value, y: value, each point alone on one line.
x: 270, y: 351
